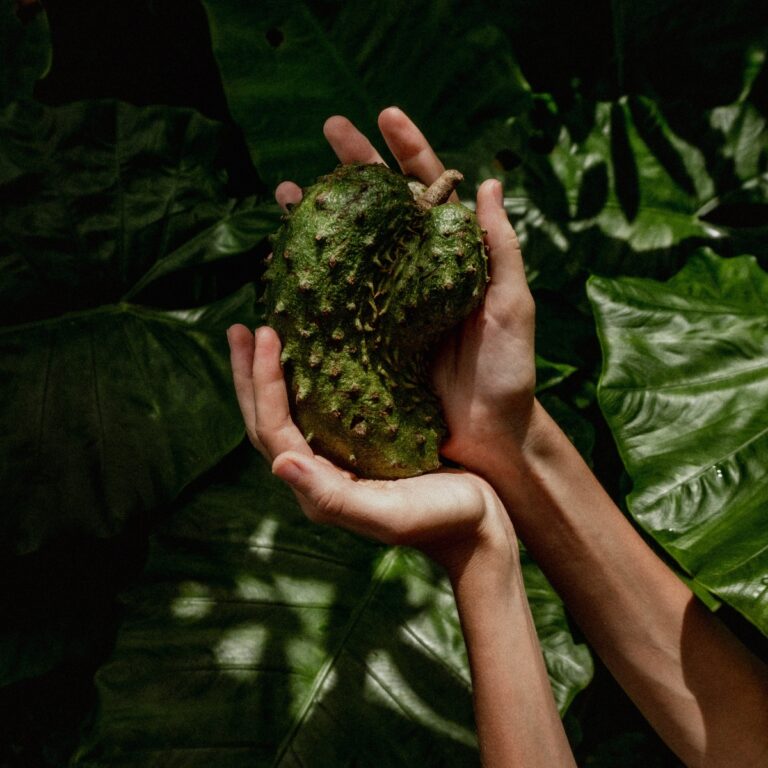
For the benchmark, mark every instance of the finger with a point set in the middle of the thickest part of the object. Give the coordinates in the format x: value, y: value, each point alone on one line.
x: 409, y: 146
x: 348, y: 143
x: 506, y: 261
x: 327, y: 496
x: 384, y: 510
x: 287, y: 194
x: 273, y: 424
x: 343, y: 472
x: 241, y: 359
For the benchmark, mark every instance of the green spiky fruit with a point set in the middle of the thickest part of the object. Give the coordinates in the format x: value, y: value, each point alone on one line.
x: 368, y: 272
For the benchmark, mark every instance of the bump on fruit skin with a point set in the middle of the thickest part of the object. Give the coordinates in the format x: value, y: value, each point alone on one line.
x: 362, y: 284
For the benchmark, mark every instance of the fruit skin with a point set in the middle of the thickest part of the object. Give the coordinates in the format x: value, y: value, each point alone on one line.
x: 362, y: 284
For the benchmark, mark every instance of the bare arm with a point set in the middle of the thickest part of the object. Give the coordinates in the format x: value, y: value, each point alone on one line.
x: 454, y: 517
x: 459, y: 521
x: 513, y: 701
x: 702, y: 691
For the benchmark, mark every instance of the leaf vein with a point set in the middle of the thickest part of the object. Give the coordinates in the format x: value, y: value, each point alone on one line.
x: 728, y: 376
x: 378, y: 576
x: 706, y: 468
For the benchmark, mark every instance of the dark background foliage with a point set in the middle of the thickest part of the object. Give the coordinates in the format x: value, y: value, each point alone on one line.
x: 621, y: 70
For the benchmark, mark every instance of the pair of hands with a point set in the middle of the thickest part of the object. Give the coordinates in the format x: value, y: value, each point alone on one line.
x: 484, y: 375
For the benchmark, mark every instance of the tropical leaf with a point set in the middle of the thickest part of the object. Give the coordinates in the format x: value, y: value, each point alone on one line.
x: 256, y: 638
x: 283, y: 78
x: 550, y: 374
x: 741, y: 207
x: 599, y: 202
x: 101, y: 198
x: 110, y: 408
x: 685, y: 392
x: 110, y: 412
x: 629, y: 186
x: 449, y: 66
x: 286, y: 70
x: 26, y: 52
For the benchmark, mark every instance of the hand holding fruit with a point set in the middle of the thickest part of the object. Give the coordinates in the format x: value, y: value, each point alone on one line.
x: 455, y: 517
x: 484, y: 372
x: 366, y: 277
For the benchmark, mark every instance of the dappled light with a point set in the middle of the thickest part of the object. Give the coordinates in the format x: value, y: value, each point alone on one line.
x: 241, y: 590
x: 165, y: 600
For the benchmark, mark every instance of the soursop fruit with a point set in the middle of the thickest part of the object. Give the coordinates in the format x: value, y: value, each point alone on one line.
x: 368, y: 271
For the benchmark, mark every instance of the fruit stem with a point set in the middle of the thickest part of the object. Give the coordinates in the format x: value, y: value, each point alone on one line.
x: 440, y: 190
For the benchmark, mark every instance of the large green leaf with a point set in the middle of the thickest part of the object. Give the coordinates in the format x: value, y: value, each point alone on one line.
x: 685, y: 391
x: 287, y: 66
x: 109, y: 412
x: 256, y: 638
x: 448, y: 65
x: 102, y: 198
x: 283, y: 78
x: 629, y: 186
x: 602, y: 200
x: 110, y: 408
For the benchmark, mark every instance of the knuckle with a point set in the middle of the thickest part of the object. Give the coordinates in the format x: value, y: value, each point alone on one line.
x: 259, y: 432
x: 312, y: 513
x: 527, y: 306
x: 328, y: 505
x: 254, y: 438
x: 513, y: 240
x: 267, y: 438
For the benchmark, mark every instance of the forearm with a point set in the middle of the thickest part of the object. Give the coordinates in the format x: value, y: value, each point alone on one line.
x: 517, y: 720
x: 673, y: 658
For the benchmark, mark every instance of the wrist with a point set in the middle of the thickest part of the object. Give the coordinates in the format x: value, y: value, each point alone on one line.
x: 516, y: 459
x: 486, y: 580
x: 543, y: 438
x: 522, y: 442
x: 491, y: 558
x: 476, y: 534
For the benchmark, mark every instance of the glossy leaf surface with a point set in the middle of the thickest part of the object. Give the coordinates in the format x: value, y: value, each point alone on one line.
x: 109, y: 407
x: 257, y: 638
x: 601, y: 200
x: 101, y: 198
x: 685, y: 391
x: 110, y: 412
x: 287, y: 67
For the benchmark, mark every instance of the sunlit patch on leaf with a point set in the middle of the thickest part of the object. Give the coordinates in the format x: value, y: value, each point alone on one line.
x: 193, y: 602
x: 334, y: 650
x: 240, y: 648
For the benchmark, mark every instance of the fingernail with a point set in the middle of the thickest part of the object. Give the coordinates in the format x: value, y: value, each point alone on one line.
x: 288, y: 471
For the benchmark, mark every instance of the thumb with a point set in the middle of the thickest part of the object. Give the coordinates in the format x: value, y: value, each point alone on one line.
x: 506, y: 261
x: 328, y: 496
x: 314, y: 481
